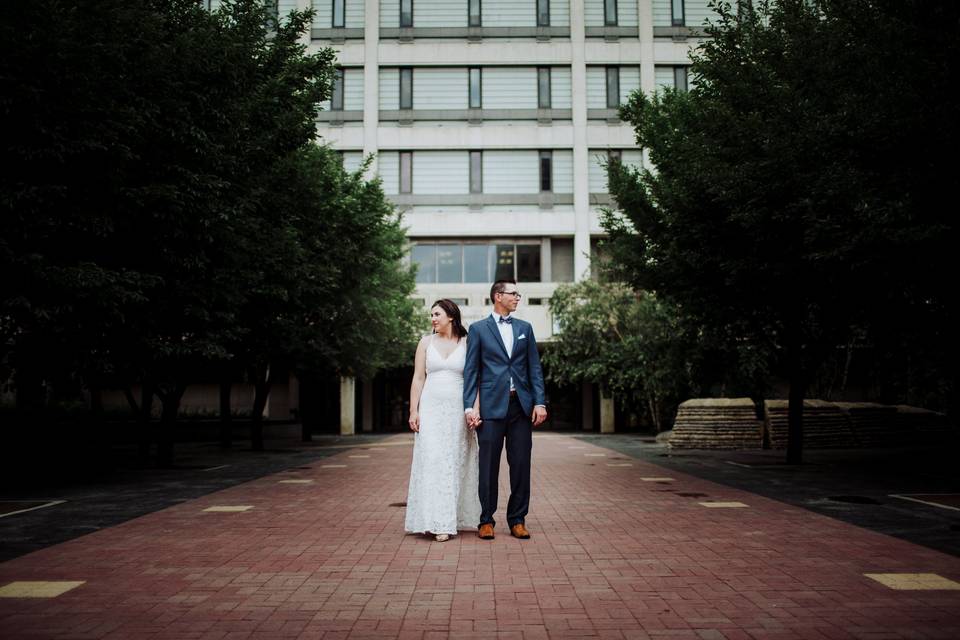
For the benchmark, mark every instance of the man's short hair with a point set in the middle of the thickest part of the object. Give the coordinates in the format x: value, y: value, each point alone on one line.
x: 499, y: 286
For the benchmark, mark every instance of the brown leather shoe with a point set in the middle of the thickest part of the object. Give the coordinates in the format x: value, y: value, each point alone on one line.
x: 519, y: 531
x: 485, y: 532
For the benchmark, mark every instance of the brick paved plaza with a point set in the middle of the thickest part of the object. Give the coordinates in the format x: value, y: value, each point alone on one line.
x: 620, y: 549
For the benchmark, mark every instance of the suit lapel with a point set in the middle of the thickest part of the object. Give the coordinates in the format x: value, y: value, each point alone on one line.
x: 495, y: 330
x: 516, y: 331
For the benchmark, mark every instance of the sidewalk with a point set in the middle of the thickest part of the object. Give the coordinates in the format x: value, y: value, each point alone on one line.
x: 621, y: 548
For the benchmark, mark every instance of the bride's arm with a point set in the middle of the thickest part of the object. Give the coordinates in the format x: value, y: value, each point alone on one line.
x: 416, y: 387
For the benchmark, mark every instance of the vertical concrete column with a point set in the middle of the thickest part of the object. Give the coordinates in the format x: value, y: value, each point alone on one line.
x: 586, y: 399
x: 648, y: 81
x: 607, y: 413
x: 293, y: 394
x: 367, y: 413
x: 305, y: 5
x: 581, y: 160
x: 348, y: 414
x: 371, y: 81
x: 647, y: 71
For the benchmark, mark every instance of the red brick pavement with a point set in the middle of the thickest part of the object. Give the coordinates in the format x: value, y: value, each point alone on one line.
x: 612, y: 556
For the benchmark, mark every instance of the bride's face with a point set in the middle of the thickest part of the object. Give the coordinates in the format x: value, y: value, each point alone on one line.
x: 439, y: 319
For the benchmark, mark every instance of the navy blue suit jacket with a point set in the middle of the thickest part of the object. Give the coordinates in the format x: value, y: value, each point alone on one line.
x: 488, y: 368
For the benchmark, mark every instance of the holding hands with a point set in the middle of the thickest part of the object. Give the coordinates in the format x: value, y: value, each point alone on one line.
x: 473, y: 419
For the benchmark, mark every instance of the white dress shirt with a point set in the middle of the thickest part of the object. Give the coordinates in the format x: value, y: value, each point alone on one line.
x: 506, y: 332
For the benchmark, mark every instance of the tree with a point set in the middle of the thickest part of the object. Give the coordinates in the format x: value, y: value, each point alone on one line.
x: 628, y: 343
x: 140, y: 134
x: 334, y: 296
x: 796, y: 193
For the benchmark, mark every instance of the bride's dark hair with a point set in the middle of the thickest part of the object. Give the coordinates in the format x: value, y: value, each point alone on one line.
x: 453, y: 312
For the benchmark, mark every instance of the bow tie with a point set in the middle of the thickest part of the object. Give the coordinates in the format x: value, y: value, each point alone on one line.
x: 507, y: 320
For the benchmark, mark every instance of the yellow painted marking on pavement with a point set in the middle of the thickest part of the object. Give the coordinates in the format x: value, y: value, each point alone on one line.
x: 38, y: 589
x: 333, y: 466
x: 723, y: 505
x: 229, y: 508
x: 358, y: 456
x: 657, y: 479
x: 619, y: 464
x: 595, y: 455
x: 915, y: 581
x: 295, y: 482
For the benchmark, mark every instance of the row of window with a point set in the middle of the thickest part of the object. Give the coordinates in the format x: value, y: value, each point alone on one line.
x: 337, y: 14
x: 545, y: 165
x: 496, y: 172
x: 484, y: 261
x: 349, y: 14
x: 509, y: 87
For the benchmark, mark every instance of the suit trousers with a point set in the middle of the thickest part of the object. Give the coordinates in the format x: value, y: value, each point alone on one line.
x: 518, y: 431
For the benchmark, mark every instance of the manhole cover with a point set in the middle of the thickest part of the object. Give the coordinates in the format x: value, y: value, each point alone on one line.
x: 398, y: 504
x: 855, y: 499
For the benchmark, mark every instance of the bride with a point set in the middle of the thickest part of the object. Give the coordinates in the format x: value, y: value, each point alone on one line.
x: 442, y: 496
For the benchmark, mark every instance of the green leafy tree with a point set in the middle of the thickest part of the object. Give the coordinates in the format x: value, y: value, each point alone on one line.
x: 141, y: 134
x: 797, y: 185
x: 632, y: 345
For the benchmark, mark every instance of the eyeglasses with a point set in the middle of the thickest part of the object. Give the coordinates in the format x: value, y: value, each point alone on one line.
x: 512, y: 293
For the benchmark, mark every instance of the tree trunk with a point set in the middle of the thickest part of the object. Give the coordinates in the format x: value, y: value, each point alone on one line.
x: 262, y: 392
x: 144, y: 415
x: 168, y: 419
x: 226, y: 421
x: 28, y: 381
x: 132, y: 401
x: 798, y: 387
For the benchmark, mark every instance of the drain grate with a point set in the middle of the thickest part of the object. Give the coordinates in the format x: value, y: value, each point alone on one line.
x: 693, y: 495
x: 398, y: 504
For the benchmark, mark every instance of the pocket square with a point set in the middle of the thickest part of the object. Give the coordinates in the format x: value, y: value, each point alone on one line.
x: 521, y: 336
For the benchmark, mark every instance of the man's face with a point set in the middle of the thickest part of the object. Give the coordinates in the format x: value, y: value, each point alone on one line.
x: 510, y: 297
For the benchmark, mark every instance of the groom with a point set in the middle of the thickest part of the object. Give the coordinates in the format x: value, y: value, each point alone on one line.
x: 503, y: 363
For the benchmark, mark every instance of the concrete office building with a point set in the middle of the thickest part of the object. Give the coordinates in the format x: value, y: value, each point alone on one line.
x: 490, y: 122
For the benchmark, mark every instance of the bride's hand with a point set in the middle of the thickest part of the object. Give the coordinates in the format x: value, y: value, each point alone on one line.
x: 414, y: 421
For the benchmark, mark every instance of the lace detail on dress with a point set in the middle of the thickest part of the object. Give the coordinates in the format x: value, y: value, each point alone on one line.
x: 442, y: 496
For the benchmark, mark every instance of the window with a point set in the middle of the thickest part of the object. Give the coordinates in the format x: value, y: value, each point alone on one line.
x: 543, y: 13
x: 546, y: 171
x: 336, y: 97
x: 476, y: 85
x: 476, y: 262
x: 504, y: 267
x: 677, y: 18
x: 680, y: 78
x: 528, y: 262
x: 338, y: 14
x: 406, y: 88
x: 610, y: 13
x: 474, y: 14
x: 613, y: 87
x: 476, y: 172
x: 614, y: 155
x: 406, y: 13
x: 543, y: 88
x: 406, y: 172
x: 273, y: 15
x: 449, y: 263
x: 425, y: 257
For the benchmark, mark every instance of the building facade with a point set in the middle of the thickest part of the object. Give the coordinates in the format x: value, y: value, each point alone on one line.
x: 490, y: 122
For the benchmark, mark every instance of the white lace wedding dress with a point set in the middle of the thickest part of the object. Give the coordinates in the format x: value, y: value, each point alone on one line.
x: 442, y: 496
